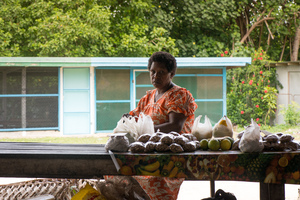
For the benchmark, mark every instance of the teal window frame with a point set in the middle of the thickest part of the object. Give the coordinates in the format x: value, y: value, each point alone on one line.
x: 111, y: 101
x: 223, y: 75
x: 36, y: 95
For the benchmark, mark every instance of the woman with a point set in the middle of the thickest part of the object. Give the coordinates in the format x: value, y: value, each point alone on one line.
x: 171, y: 107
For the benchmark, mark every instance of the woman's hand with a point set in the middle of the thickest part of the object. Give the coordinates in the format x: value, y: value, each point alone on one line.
x: 176, y: 122
x: 126, y: 115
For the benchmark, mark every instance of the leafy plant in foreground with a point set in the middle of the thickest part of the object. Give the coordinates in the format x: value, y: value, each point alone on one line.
x: 251, y: 90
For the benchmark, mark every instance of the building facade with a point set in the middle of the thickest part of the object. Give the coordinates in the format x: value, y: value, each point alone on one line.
x: 89, y: 95
x: 288, y: 74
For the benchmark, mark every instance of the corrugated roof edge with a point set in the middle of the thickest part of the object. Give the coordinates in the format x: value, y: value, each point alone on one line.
x: 284, y: 64
x: 228, y: 62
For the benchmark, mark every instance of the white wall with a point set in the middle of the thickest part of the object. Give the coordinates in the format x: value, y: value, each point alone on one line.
x: 289, y: 77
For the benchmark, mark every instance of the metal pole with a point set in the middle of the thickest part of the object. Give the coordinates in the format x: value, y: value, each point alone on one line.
x: 23, y: 99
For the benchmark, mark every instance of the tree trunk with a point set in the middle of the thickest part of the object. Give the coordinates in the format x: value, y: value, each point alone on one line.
x: 253, y: 26
x: 295, y: 52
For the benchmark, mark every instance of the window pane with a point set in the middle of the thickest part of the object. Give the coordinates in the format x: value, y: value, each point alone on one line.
x: 76, y: 78
x: 10, y: 113
x: 42, y: 80
x: 141, y: 91
x: 40, y: 112
x: 112, y: 84
x: 36, y: 80
x: 142, y: 77
x: 209, y: 87
x: 10, y: 80
x: 213, y: 110
x: 190, y: 83
x: 108, y: 114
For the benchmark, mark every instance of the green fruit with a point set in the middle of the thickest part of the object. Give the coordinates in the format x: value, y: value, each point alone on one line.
x: 204, y: 144
x: 214, y: 144
x: 231, y: 139
x: 225, y: 144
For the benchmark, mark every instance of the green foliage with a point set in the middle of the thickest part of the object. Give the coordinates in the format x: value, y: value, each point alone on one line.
x: 252, y: 92
x: 291, y: 113
x: 126, y: 28
x: 200, y: 27
x: 81, y: 28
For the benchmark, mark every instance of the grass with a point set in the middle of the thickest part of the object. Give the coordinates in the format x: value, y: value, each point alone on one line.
x: 61, y: 140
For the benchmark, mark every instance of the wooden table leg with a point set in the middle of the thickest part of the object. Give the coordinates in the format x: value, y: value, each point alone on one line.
x: 269, y: 191
x: 212, y: 188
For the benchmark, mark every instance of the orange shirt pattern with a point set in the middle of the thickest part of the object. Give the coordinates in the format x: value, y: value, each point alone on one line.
x: 176, y: 99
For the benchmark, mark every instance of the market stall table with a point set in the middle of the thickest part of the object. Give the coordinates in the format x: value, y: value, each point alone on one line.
x: 45, y: 160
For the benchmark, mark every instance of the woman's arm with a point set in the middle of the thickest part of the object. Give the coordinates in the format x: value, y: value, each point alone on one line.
x: 176, y: 122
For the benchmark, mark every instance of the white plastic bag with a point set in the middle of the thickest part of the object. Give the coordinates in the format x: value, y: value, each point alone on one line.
x: 251, y: 140
x: 223, y: 128
x: 144, y: 125
x: 127, y: 125
x: 117, y: 142
x: 202, y: 130
x: 135, y: 128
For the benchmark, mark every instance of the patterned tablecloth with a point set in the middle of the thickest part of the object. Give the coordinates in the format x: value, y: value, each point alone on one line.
x: 267, y: 167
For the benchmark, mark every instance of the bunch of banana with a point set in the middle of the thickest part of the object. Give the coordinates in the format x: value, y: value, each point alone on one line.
x: 173, y: 169
x: 150, y: 169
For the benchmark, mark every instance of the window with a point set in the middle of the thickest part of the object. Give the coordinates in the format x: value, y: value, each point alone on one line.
x: 28, y: 98
x: 117, y: 93
x: 206, y: 86
x: 112, y: 97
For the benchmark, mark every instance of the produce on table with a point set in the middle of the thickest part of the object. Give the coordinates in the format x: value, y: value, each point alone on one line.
x: 137, y: 147
x: 202, y: 130
x: 117, y: 142
x: 144, y: 138
x: 251, y: 139
x: 216, y: 144
x: 150, y: 146
x: 190, y: 146
x: 225, y: 144
x: 161, y: 147
x: 203, y: 144
x: 135, y: 126
x: 162, y: 142
x: 177, y: 148
x: 223, y: 128
x: 273, y: 142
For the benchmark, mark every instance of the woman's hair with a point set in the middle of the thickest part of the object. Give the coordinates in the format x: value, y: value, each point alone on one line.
x: 165, y: 58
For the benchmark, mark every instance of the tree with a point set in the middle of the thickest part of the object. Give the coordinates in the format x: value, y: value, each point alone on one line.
x: 81, y: 28
x: 138, y: 27
x: 274, y: 22
x: 56, y: 28
x: 296, y: 43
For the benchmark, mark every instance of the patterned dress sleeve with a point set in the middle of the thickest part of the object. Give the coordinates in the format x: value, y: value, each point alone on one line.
x: 182, y: 101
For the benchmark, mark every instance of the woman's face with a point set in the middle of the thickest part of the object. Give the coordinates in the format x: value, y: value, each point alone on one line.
x: 159, y: 75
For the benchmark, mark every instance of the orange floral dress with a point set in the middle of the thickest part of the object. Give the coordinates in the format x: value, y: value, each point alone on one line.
x: 176, y: 99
